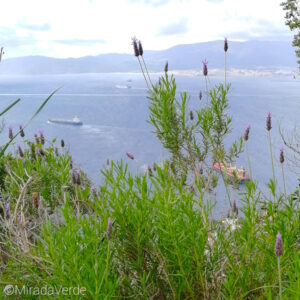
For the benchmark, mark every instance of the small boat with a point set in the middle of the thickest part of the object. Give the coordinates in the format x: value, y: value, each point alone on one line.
x: 233, y: 172
x: 127, y: 86
x: 74, y: 121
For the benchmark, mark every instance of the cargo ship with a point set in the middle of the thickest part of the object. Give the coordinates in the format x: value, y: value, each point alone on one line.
x: 74, y: 121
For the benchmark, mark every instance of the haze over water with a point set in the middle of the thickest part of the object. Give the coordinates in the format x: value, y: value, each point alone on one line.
x: 115, y: 118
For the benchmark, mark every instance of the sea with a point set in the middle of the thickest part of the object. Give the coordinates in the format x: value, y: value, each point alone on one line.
x: 115, y: 120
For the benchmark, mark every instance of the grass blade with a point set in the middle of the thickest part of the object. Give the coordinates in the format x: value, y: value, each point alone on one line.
x: 28, y: 122
x: 40, y: 108
x: 9, y: 107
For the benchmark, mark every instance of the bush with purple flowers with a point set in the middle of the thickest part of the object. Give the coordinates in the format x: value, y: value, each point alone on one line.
x: 151, y: 235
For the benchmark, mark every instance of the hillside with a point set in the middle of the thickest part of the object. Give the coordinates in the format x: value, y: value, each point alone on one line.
x: 241, y: 55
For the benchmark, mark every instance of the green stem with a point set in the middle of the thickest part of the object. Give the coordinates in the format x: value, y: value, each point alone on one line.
x: 206, y: 89
x: 225, y: 69
x: 283, y: 178
x: 147, y: 71
x: 174, y: 241
x: 225, y: 180
x: 279, y: 278
x: 271, y: 153
x: 201, y: 205
x: 137, y: 166
x: 107, y: 262
x: 248, y: 158
x: 105, y: 275
x: 143, y: 73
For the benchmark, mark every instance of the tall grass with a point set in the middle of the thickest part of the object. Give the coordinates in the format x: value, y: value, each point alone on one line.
x: 152, y: 235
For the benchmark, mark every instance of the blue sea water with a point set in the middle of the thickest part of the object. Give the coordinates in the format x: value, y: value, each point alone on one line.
x: 115, y: 118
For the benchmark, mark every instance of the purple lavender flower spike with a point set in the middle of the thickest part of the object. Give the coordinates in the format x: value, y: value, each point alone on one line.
x: 191, y: 115
x: 225, y: 45
x: 10, y: 133
x: 278, y: 245
x: 141, y: 51
x: 150, y: 170
x: 166, y: 67
x: 42, y: 137
x: 268, y: 122
x: 37, y: 140
x: 200, y: 95
x: 235, y: 208
x: 281, y: 157
x: 129, y: 155
x: 135, y: 47
x: 21, y: 153
x: 22, y: 134
x: 246, y: 134
x: 205, y: 70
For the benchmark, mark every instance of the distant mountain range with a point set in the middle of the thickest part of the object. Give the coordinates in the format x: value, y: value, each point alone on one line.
x: 257, y: 55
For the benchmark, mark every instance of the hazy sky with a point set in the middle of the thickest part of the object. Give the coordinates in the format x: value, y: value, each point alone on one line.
x: 74, y: 28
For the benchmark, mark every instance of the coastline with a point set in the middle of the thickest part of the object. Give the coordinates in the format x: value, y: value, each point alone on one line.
x: 241, y: 72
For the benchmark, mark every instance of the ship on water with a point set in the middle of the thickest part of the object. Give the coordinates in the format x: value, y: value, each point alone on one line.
x: 75, y: 121
x: 232, y: 172
x: 127, y: 86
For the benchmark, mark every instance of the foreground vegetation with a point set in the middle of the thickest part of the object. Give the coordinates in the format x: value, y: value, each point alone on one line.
x: 149, y: 236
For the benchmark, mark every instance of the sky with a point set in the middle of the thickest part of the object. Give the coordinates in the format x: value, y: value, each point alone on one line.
x: 76, y: 28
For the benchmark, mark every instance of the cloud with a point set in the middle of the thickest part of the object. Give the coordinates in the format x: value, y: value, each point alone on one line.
x: 174, y: 28
x: 35, y: 27
x: 80, y: 42
x: 259, y: 29
x: 215, y: 1
x: 154, y: 3
x: 91, y: 27
x: 10, y: 38
x: 252, y: 35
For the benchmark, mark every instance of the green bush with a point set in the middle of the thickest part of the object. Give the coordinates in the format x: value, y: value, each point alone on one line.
x: 150, y: 236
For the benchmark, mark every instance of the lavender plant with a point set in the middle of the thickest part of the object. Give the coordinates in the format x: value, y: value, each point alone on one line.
x: 194, y: 139
x: 149, y: 236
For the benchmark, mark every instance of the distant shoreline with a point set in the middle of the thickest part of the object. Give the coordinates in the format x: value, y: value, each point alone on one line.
x: 189, y: 72
x: 240, y: 72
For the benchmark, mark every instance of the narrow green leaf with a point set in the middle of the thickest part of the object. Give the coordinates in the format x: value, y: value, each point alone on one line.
x: 9, y: 107
x: 28, y: 122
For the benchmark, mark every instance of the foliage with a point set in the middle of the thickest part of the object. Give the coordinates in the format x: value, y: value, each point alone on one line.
x: 153, y: 235
x: 35, y: 183
x: 292, y: 17
x: 194, y: 139
x: 162, y: 247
